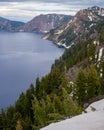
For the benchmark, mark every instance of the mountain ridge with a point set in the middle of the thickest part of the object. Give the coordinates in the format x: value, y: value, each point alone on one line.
x: 9, y: 25
x: 44, y: 23
x: 39, y: 24
x: 76, y: 29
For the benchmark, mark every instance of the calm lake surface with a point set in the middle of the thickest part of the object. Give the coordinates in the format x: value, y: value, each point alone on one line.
x: 23, y: 57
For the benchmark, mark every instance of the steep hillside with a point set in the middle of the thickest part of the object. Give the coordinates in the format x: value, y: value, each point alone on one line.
x: 8, y: 25
x: 82, y: 54
x: 78, y: 28
x: 44, y: 23
x: 75, y: 79
x: 58, y: 96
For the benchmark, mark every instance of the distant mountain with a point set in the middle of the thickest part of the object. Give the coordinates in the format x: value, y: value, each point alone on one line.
x: 2, y: 19
x: 8, y: 25
x: 44, y: 23
x: 77, y: 28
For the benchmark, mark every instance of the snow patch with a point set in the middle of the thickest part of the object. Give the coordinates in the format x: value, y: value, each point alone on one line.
x: 101, y: 73
x: 45, y: 31
x: 90, y: 58
x: 94, y: 42
x: 70, y: 45
x: 90, y: 18
x: 91, y: 25
x: 71, y: 82
x: 68, y: 24
x: 98, y: 65
x: 98, y: 106
x: 96, y: 56
x: 101, y: 12
x: 100, y: 54
x: 64, y: 45
x: 98, y: 43
x: 59, y: 31
x: 89, y: 121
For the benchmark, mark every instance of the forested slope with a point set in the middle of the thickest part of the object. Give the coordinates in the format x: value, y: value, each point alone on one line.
x: 57, y: 96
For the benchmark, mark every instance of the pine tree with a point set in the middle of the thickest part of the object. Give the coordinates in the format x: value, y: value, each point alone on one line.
x: 102, y: 76
x: 81, y: 87
x: 57, y: 113
x: 38, y: 113
x: 91, y: 51
x: 94, y: 86
x: 20, y: 105
x: 38, y: 89
x: 70, y: 108
x: 10, y: 115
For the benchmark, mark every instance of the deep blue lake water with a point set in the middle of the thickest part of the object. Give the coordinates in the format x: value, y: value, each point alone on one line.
x: 23, y: 57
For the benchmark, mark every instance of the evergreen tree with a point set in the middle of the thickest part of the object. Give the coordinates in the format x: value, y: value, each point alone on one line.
x: 81, y: 87
x: 70, y: 108
x: 56, y: 112
x: 101, y: 69
x: 94, y: 86
x: 38, y: 113
x: 1, y: 122
x: 20, y: 105
x: 91, y: 51
x: 38, y: 88
x: 10, y: 118
x: 4, y: 120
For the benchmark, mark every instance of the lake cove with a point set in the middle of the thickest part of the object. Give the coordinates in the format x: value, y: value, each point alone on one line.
x: 23, y: 57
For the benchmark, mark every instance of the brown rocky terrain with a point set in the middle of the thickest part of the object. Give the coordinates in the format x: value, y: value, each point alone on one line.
x: 44, y: 23
x: 76, y: 29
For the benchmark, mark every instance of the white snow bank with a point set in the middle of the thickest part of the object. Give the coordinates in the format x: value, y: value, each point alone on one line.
x: 89, y: 121
x: 100, y: 54
x: 96, y: 106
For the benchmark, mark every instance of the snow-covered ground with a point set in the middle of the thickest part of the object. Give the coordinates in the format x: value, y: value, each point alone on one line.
x: 100, y: 54
x: 96, y: 106
x: 93, y: 120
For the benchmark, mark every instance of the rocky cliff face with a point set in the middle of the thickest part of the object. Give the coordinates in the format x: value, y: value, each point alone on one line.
x: 8, y: 25
x: 76, y: 29
x: 44, y: 23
